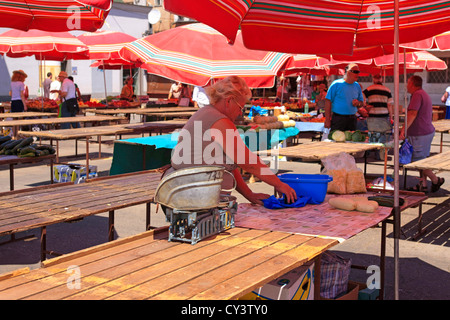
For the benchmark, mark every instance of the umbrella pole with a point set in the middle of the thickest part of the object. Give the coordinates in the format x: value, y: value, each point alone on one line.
x: 104, y: 82
x: 405, y: 96
x: 396, y: 151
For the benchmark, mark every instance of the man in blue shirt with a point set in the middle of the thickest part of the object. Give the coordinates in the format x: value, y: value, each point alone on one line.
x: 344, y: 98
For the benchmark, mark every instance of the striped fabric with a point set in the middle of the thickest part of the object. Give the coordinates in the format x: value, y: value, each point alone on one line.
x: 317, y: 26
x: 105, y: 45
x: 54, y: 15
x: 42, y: 44
x: 195, y: 54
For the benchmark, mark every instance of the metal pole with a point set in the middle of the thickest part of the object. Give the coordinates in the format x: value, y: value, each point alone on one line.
x: 396, y: 151
x: 104, y: 81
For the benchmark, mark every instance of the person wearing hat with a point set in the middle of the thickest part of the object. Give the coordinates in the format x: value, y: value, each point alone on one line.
x: 343, y: 99
x: 380, y: 108
x: 67, y: 93
x: 18, y: 90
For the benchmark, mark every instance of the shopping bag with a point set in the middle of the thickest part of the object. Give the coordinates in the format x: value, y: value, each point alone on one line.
x: 405, y: 152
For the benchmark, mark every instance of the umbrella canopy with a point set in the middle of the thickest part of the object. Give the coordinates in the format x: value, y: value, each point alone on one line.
x: 308, y: 63
x: 115, y: 64
x: 415, y: 62
x: 316, y: 26
x: 54, y: 15
x: 195, y: 54
x: 105, y: 45
x: 439, y: 42
x: 42, y: 44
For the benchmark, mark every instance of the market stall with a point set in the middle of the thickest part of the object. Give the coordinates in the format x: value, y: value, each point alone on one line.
x: 155, y: 151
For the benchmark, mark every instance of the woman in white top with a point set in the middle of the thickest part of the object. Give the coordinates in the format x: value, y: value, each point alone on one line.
x: 18, y: 99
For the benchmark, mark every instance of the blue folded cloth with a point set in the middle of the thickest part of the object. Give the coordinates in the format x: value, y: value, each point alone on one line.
x: 274, y: 203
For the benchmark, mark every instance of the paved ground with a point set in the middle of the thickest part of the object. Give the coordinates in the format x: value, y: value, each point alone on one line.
x: 424, y: 264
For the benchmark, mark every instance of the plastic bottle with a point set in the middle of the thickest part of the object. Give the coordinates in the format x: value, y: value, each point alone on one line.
x: 306, y: 108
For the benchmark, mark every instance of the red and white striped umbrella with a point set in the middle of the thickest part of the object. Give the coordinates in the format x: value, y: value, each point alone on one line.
x: 42, y: 44
x: 317, y: 26
x: 54, y: 15
x: 105, y: 45
x: 195, y: 54
x: 308, y: 63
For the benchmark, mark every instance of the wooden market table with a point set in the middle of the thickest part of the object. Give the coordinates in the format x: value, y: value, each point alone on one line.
x: 442, y: 126
x: 99, y: 131
x: 13, y: 160
x: 16, y: 124
x: 40, y: 207
x: 324, y: 221
x: 148, y: 266
x: 316, y: 151
x: 27, y: 114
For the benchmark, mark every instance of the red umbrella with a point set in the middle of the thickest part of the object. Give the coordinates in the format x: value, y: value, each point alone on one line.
x: 42, y: 44
x: 308, y: 63
x: 439, y: 42
x: 115, y: 64
x: 105, y: 45
x: 316, y: 26
x: 195, y: 54
x: 54, y: 15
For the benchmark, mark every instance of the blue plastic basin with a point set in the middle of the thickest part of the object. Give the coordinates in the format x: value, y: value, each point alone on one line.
x: 310, y: 185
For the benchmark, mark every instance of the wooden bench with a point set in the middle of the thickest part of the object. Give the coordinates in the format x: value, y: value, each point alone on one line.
x: 40, y: 207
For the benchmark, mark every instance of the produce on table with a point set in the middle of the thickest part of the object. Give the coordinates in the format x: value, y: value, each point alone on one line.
x: 338, y: 136
x: 272, y: 122
x: 361, y: 204
x: 24, y: 148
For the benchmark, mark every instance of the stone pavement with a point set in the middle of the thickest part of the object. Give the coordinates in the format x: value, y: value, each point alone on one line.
x: 424, y: 264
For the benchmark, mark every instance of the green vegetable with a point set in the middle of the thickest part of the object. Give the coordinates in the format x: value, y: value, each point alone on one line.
x: 25, y: 142
x: 338, y: 136
x: 357, y: 136
x: 4, y: 139
x: 30, y: 154
x: 27, y: 150
x: 348, y: 135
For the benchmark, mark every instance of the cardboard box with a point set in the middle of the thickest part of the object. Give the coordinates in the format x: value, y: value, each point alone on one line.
x: 73, y: 172
x: 352, y: 292
x: 365, y: 293
x: 297, y: 284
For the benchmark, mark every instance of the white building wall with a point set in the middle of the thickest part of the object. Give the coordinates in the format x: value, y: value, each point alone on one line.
x: 129, y: 19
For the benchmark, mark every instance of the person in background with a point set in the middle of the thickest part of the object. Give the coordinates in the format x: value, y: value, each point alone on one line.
x: 67, y: 93
x: 212, y: 128
x: 185, y: 95
x: 200, y: 97
x: 175, y: 90
x: 282, y: 91
x: 379, y: 104
x: 343, y: 99
x: 446, y: 99
x: 77, y: 90
x: 54, y: 89
x: 46, y: 85
x: 127, y: 90
x: 420, y: 132
x: 18, y: 91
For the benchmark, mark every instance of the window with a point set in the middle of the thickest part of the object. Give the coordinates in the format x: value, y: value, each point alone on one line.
x: 442, y: 76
